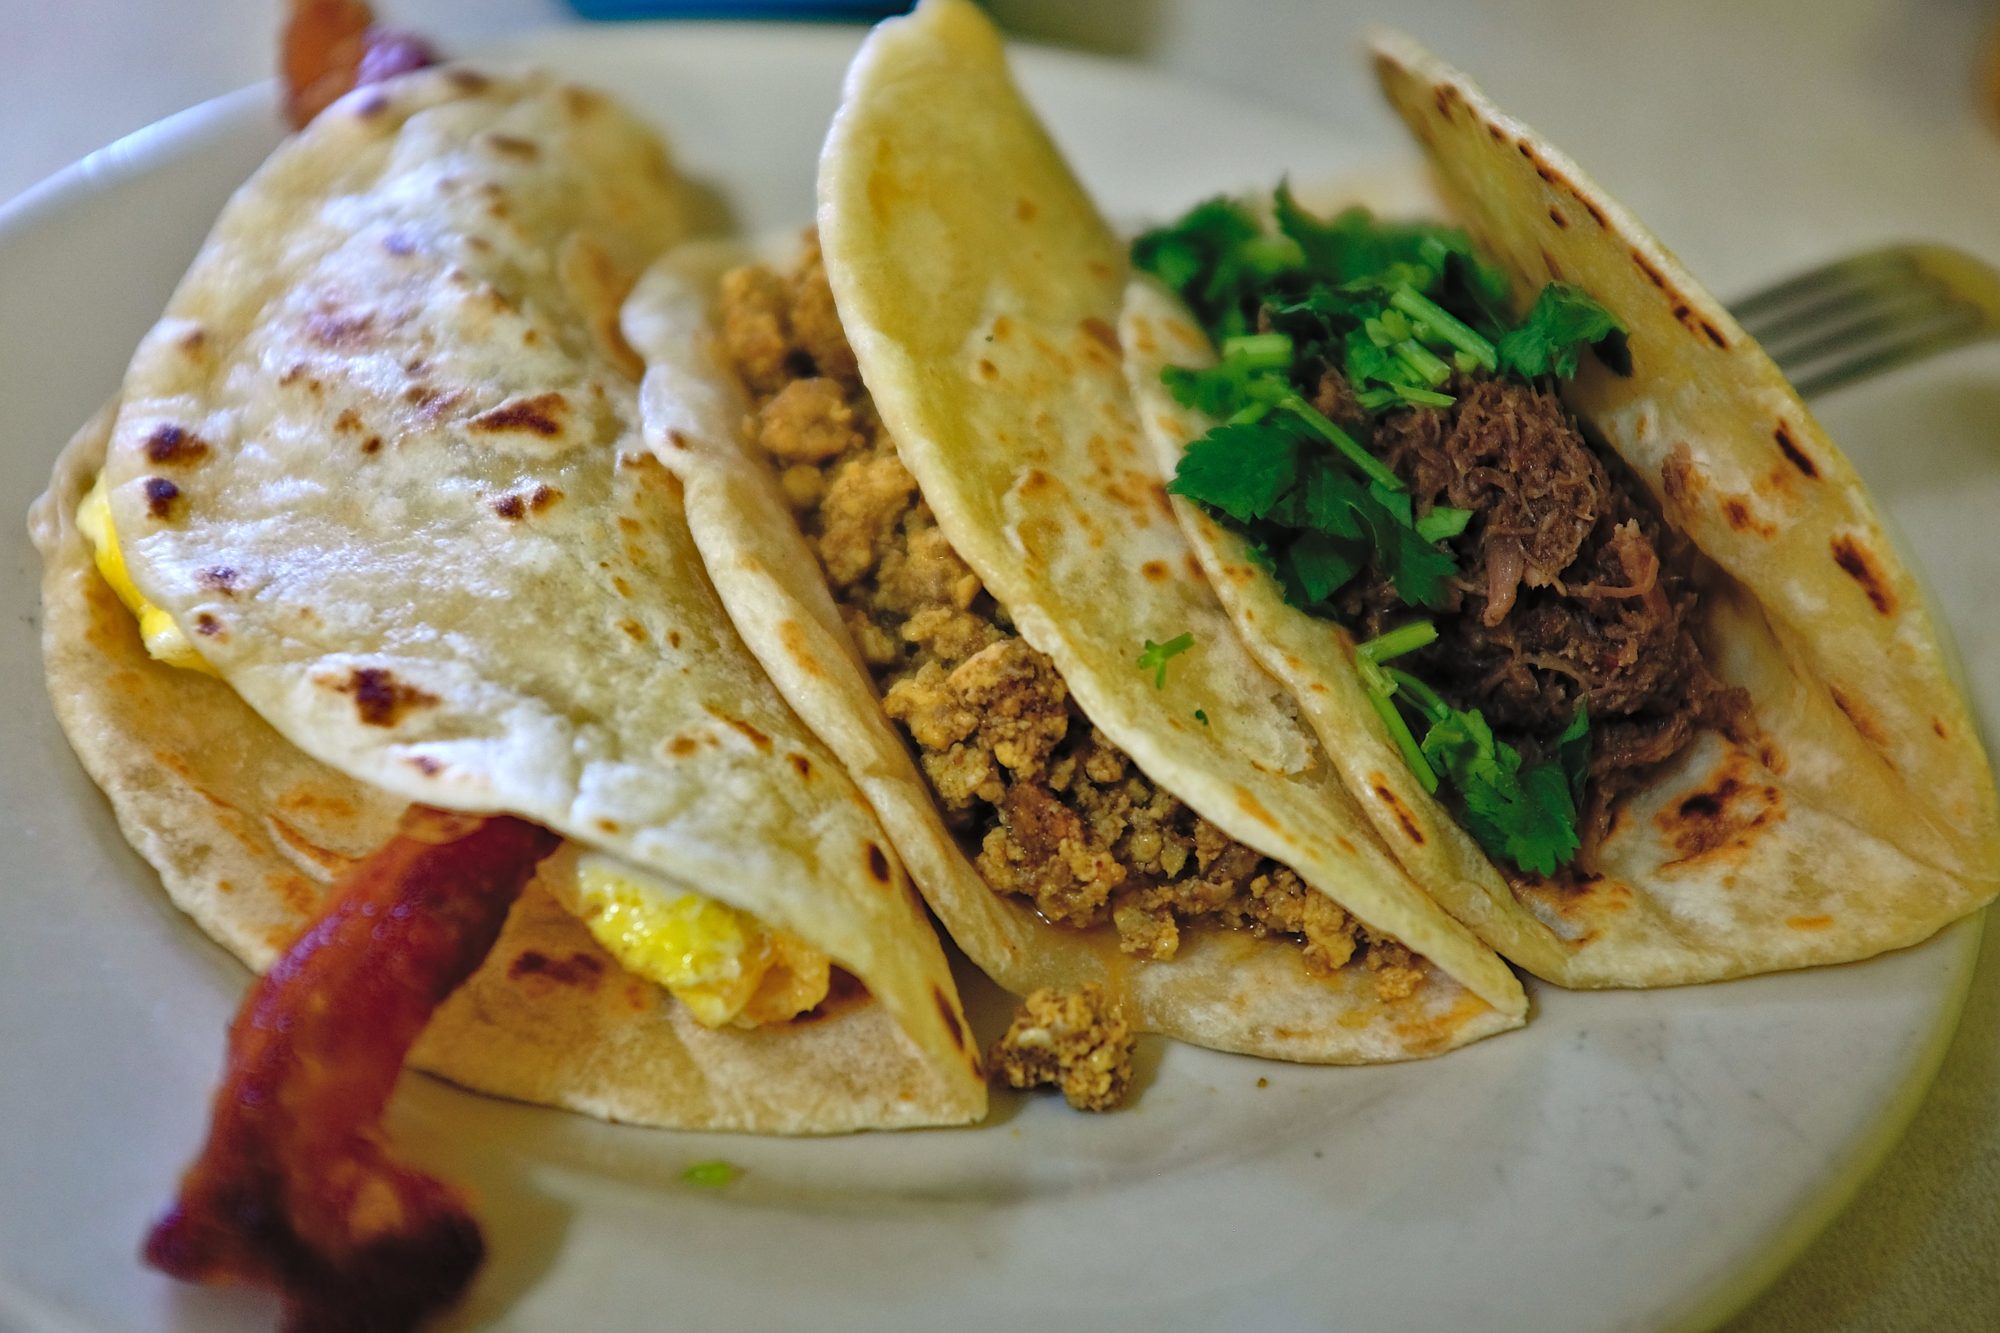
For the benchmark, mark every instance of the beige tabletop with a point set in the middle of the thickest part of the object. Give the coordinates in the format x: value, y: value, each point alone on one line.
x: 1820, y: 126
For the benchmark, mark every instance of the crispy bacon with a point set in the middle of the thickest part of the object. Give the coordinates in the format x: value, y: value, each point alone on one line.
x: 331, y: 46
x: 294, y: 1189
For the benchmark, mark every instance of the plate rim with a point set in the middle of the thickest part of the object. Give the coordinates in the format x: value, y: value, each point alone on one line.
x: 192, y: 130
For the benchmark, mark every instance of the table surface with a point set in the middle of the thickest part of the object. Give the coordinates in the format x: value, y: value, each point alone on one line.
x: 1860, y: 116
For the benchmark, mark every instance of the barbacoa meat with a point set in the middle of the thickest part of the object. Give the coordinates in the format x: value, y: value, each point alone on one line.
x: 1571, y: 588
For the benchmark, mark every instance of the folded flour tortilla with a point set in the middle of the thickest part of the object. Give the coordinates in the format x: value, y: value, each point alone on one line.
x: 380, y: 463
x: 979, y: 289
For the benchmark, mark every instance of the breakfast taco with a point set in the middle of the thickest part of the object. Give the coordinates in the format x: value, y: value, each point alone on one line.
x: 914, y: 469
x: 1603, y: 631
x: 369, y: 609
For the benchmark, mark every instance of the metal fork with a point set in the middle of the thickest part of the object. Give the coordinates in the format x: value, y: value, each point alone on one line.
x: 1873, y: 312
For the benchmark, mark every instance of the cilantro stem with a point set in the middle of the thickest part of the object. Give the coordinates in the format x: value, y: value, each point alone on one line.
x: 1399, y: 731
x: 1373, y: 467
x: 1258, y: 351
x: 1422, y: 361
x: 1445, y: 325
x: 1403, y: 639
x: 1428, y: 700
x: 1268, y: 256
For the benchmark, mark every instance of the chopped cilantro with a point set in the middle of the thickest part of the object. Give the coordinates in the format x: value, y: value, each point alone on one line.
x: 1216, y: 256
x: 1526, y: 814
x: 1157, y: 655
x: 1400, y: 310
x: 712, y: 1175
x: 1403, y: 639
x: 1241, y: 470
x: 1573, y: 751
x: 1313, y: 523
x: 1443, y: 523
x: 1564, y: 320
x: 1201, y: 717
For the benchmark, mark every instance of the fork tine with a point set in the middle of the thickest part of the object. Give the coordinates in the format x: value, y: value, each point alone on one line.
x: 1888, y: 266
x: 1844, y: 311
x: 1872, y: 312
x: 1860, y: 360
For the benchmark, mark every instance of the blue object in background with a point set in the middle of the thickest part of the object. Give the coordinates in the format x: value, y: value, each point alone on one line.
x: 736, y: 9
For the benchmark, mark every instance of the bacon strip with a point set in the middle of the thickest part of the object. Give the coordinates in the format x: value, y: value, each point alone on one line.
x: 294, y: 1189
x: 331, y: 46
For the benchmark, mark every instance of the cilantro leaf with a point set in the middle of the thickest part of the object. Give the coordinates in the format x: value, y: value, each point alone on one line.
x: 1240, y: 469
x: 1332, y: 500
x: 1323, y: 564
x: 711, y: 1175
x: 1542, y: 834
x: 1251, y: 374
x: 1443, y: 523
x: 1526, y: 815
x: 1414, y: 564
x: 1156, y: 656
x: 1215, y: 256
x: 1573, y: 752
x: 1564, y: 320
x: 1355, y: 248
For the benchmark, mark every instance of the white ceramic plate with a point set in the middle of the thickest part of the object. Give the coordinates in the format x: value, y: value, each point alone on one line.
x: 1629, y: 1161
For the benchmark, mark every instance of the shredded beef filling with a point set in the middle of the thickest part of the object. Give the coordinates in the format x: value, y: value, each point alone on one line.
x: 1571, y: 588
x: 1058, y: 815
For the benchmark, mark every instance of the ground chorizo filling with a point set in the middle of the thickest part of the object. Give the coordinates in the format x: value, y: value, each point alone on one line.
x: 1055, y: 812
x: 1077, y: 1040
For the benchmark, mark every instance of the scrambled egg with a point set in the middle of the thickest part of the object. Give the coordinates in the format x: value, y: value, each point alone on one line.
x: 727, y: 967
x: 164, y: 639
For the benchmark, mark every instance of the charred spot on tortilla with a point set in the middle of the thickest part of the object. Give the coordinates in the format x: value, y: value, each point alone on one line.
x: 1859, y: 714
x: 579, y: 969
x: 750, y: 733
x: 949, y: 1013
x: 1722, y: 814
x: 1737, y: 513
x: 1404, y: 819
x: 219, y: 578
x: 330, y: 328
x: 207, y: 625
x: 878, y: 864
x: 514, y: 146
x: 380, y: 699
x: 1101, y: 333
x: 171, y: 446
x: 160, y: 497
x: 1855, y: 561
x: 1793, y: 454
x: 540, y: 415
